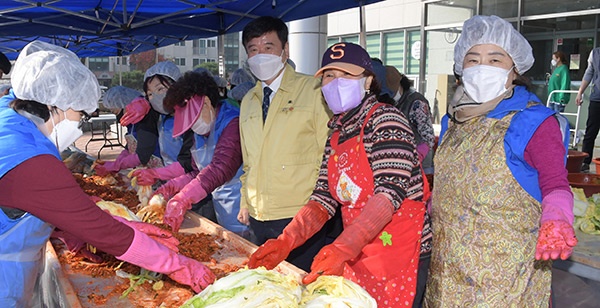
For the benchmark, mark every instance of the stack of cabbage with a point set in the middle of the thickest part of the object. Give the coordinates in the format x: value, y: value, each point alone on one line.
x: 263, y: 288
x: 586, y: 211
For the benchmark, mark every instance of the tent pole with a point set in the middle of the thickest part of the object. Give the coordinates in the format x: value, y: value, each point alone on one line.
x: 362, y: 36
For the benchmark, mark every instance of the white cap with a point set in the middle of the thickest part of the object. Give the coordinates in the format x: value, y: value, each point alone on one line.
x: 54, y: 76
x: 480, y: 29
x: 201, y: 70
x: 119, y: 97
x: 165, y: 68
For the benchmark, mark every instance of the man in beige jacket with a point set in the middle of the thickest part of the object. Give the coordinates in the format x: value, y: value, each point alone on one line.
x: 283, y: 128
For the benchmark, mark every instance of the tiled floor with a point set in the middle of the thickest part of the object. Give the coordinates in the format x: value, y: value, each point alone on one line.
x: 100, y: 147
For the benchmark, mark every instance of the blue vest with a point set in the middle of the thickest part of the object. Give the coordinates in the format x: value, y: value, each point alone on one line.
x: 6, y: 99
x: 522, y: 127
x: 226, y: 198
x: 22, y: 240
x: 169, y: 146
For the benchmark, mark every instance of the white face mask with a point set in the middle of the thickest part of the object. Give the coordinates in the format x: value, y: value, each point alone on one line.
x: 157, y: 102
x: 201, y: 127
x: 343, y: 94
x: 64, y: 133
x: 266, y: 66
x: 483, y: 82
x: 553, y: 62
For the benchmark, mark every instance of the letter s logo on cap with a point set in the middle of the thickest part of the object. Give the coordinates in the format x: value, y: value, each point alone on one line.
x: 337, y: 51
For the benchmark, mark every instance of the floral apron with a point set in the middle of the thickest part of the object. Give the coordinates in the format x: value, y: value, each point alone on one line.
x: 387, y: 266
x: 485, y: 225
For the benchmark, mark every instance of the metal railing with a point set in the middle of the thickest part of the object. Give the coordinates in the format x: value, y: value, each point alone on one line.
x: 569, y: 114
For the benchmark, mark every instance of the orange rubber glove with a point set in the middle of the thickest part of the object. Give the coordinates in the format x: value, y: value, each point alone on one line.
x: 556, y: 237
x: 135, y: 111
x: 332, y: 258
x: 308, y: 221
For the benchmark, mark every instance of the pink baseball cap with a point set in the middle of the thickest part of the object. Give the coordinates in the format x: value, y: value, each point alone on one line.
x: 186, y: 116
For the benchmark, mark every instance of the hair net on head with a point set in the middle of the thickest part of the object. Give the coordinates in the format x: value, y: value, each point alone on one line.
x: 493, y: 30
x: 54, y: 77
x: 119, y: 97
x: 240, y: 76
x: 165, y: 68
x: 201, y: 70
x: 220, y: 81
x: 240, y: 90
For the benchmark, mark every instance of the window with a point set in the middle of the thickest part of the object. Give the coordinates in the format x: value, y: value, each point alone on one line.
x: 373, y: 45
x: 200, y: 48
x: 332, y: 40
x: 393, y: 49
x: 211, y: 43
x: 195, y: 62
x: 413, y: 52
x: 180, y: 43
x: 98, y: 64
x: 180, y: 61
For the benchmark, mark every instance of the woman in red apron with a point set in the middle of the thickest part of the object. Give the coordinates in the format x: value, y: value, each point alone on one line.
x: 371, y: 173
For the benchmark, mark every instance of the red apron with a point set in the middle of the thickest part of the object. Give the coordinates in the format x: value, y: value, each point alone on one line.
x: 387, y: 266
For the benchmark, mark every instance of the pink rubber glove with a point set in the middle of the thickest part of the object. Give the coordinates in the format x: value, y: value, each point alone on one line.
x: 376, y: 214
x: 305, y: 224
x: 76, y: 246
x: 181, y: 202
x: 149, y: 176
x: 173, y: 186
x: 135, y: 111
x: 124, y: 161
x: 152, y: 255
x: 162, y: 236
x: 556, y: 237
x: 422, y: 150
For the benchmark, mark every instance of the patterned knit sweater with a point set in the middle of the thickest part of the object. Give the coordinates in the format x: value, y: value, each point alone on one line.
x: 391, y: 151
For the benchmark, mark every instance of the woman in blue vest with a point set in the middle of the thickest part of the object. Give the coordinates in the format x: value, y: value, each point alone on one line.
x: 216, y: 152
x: 53, y: 91
x: 502, y: 207
x: 154, y: 129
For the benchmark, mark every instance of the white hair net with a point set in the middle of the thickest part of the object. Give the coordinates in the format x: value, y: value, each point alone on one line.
x: 240, y: 90
x: 220, y: 81
x: 165, y: 68
x: 493, y: 30
x: 55, y: 77
x: 240, y: 76
x: 119, y: 97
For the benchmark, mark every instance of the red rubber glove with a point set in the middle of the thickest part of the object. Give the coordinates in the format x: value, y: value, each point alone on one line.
x: 308, y: 221
x: 76, y: 246
x: 149, y: 176
x: 135, y: 111
x: 173, y: 186
x: 154, y: 256
x: 332, y: 258
x: 556, y: 237
x: 160, y: 235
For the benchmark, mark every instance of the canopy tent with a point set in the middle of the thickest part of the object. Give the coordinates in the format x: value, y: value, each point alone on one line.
x: 119, y: 27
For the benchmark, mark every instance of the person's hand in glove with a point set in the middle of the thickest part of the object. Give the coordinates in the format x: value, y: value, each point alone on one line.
x: 181, y: 202
x: 173, y: 186
x: 76, y: 246
x: 149, y: 176
x: 332, y: 258
x: 154, y: 256
x: 135, y: 111
x: 556, y: 237
x: 160, y: 235
x: 124, y: 160
x: 305, y: 224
